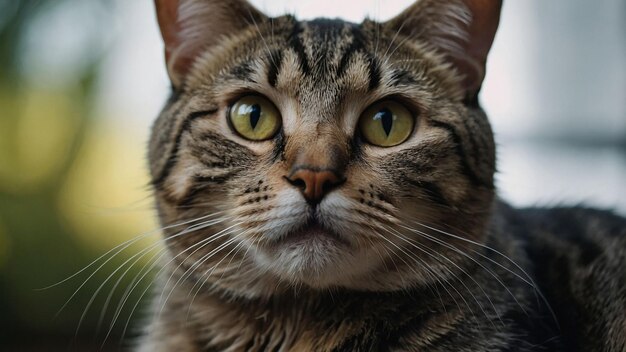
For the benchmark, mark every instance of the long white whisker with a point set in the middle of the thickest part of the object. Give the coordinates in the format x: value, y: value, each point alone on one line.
x: 417, y: 259
x: 125, y: 245
x: 133, y: 285
x: 530, y: 281
x: 206, y: 277
x: 203, y: 243
x: 210, y: 255
x: 451, y: 273
x: 449, y: 246
x: 467, y: 240
x: 402, y: 237
x: 138, y: 255
x: 118, y: 281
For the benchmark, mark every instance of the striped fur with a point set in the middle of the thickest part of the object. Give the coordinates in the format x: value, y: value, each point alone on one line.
x: 424, y: 258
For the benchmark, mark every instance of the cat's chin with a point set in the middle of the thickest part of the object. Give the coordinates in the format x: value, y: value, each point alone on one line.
x: 312, y: 255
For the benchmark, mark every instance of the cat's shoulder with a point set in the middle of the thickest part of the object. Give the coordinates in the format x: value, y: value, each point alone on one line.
x: 576, y: 225
x: 577, y: 256
x: 573, y: 236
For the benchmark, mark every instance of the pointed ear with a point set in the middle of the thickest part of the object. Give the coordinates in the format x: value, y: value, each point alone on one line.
x: 462, y: 30
x: 189, y: 27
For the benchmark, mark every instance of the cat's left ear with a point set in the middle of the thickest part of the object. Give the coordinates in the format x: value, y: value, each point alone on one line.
x: 462, y: 30
x: 190, y: 27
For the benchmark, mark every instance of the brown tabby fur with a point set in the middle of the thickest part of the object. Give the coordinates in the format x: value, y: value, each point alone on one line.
x: 427, y: 258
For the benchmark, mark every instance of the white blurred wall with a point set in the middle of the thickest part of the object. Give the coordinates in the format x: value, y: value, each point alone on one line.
x: 558, y: 70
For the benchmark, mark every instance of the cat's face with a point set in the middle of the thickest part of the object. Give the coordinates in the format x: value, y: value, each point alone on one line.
x: 320, y: 153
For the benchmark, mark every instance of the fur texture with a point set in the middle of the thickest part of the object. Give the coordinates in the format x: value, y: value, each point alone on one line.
x: 415, y: 253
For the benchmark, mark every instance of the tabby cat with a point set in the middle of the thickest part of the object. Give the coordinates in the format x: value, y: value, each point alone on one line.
x: 329, y: 186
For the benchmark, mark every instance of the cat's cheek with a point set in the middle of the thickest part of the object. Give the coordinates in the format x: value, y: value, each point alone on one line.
x: 177, y: 185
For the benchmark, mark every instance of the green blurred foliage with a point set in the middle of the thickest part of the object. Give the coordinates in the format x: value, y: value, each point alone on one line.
x: 44, y: 130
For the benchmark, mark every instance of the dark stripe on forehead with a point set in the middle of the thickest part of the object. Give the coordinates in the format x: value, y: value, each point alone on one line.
x: 323, y: 28
x: 401, y: 78
x: 275, y: 60
x: 295, y: 42
x: 243, y: 71
x: 357, y: 44
x: 374, y: 72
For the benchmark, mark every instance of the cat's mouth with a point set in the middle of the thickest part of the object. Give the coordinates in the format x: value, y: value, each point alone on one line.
x: 311, y: 232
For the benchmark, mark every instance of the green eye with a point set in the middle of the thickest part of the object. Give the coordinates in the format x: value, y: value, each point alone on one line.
x: 255, y: 118
x: 386, y: 124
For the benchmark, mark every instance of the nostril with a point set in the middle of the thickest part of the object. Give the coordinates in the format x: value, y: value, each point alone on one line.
x: 327, y: 185
x: 296, y: 182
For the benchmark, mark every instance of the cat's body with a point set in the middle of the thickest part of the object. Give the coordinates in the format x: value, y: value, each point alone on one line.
x: 317, y: 229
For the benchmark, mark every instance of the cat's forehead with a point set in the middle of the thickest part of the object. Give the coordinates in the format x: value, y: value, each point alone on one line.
x: 324, y: 39
x: 324, y: 61
x: 317, y: 68
x: 323, y: 31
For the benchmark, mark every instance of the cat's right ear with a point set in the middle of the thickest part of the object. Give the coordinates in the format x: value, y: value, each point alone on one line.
x: 461, y: 30
x: 189, y: 27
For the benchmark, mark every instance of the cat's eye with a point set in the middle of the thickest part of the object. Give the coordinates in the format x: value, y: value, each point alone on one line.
x: 386, y: 124
x: 255, y: 118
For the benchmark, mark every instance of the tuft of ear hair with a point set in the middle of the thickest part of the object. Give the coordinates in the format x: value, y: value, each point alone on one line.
x: 462, y: 30
x: 190, y: 27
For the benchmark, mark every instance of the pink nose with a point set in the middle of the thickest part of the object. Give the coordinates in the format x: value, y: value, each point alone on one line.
x: 314, y: 185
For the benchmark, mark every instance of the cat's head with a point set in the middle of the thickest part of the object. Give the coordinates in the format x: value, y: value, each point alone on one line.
x: 323, y: 153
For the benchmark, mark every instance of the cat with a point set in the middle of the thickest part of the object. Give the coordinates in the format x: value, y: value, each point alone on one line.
x: 329, y: 186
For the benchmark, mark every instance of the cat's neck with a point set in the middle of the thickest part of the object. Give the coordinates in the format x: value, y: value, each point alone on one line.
x: 307, y: 319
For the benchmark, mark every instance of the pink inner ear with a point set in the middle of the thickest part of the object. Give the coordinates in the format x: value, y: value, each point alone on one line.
x: 167, y: 16
x: 481, y: 32
x: 462, y: 30
x: 190, y: 26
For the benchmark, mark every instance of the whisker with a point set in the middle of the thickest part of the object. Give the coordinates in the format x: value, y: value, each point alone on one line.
x: 449, y: 246
x: 138, y: 255
x: 100, y: 287
x: 207, y: 276
x: 444, y: 281
x: 200, y: 287
x: 530, y: 281
x: 203, y: 260
x: 191, y: 269
x: 218, y: 263
x: 125, y: 245
x: 404, y: 238
x: 425, y: 266
x: 467, y: 240
x: 202, y: 244
x: 117, y: 283
x: 134, y: 285
x: 258, y: 30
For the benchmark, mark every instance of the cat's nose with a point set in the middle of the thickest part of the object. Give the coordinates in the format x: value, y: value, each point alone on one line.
x: 314, y: 184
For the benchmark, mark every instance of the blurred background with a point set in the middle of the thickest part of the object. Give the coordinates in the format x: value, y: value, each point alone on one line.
x: 81, y: 81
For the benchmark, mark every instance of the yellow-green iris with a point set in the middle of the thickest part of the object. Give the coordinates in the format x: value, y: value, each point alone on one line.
x: 255, y: 118
x: 386, y: 124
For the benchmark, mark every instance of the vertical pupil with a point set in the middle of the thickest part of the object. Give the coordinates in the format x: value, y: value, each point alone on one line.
x: 386, y: 119
x: 255, y: 115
